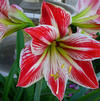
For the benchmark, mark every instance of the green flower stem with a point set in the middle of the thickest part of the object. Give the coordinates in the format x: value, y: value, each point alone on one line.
x: 38, y: 91
x: 19, y: 44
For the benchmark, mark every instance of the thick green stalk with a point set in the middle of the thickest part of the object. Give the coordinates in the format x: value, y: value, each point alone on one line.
x: 19, y: 44
x: 38, y: 91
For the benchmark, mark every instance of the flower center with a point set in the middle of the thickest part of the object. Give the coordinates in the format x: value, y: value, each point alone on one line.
x: 55, y: 44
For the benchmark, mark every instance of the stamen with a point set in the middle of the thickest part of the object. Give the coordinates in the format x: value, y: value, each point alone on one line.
x: 56, y: 76
x: 84, y: 33
x: 52, y: 75
x: 62, y: 66
x: 70, y: 68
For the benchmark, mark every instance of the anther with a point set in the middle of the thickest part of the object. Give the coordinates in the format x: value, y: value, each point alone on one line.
x: 70, y: 68
x: 56, y: 76
x: 62, y: 66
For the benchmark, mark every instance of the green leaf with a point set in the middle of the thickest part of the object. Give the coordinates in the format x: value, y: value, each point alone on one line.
x: 28, y: 94
x: 49, y: 97
x: 79, y: 94
x: 93, y: 96
x: 38, y: 91
x: 2, y: 79
x: 65, y: 99
x: 9, y: 81
x: 18, y: 94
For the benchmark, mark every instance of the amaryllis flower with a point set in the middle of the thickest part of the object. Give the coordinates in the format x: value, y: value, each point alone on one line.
x: 87, y: 15
x: 56, y: 56
x: 12, y: 18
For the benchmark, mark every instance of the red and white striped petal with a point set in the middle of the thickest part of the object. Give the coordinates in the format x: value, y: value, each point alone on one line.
x: 55, y: 73
x: 57, y: 86
x: 30, y: 64
x: 4, y: 6
x: 56, y: 16
x: 44, y: 33
x: 2, y: 31
x: 81, y: 47
x: 47, y: 16
x: 85, y: 77
x: 98, y: 19
x: 38, y: 47
x: 82, y: 4
x: 81, y: 72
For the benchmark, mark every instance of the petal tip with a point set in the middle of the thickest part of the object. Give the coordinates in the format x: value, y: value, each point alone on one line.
x: 14, y: 6
x: 96, y: 86
x: 17, y: 85
x: 43, y: 4
x: 60, y: 99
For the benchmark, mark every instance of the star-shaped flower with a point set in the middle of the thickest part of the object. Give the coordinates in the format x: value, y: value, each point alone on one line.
x: 57, y: 57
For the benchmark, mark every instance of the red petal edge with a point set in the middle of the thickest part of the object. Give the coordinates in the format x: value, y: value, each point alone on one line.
x: 53, y: 14
x: 4, y: 7
x: 28, y: 74
x: 86, y: 77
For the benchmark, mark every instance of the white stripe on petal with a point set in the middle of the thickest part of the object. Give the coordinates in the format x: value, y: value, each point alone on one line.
x: 52, y: 70
x: 31, y: 67
x: 4, y: 7
x: 35, y: 66
x: 81, y: 69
